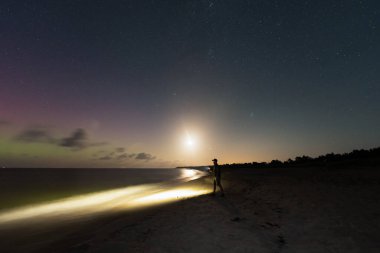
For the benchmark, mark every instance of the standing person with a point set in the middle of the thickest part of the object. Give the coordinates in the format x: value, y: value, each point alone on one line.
x: 217, y: 176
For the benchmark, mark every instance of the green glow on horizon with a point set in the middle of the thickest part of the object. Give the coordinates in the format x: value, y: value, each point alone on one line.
x: 20, y: 154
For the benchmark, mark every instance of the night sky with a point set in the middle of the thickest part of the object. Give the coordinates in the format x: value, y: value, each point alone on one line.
x: 169, y: 83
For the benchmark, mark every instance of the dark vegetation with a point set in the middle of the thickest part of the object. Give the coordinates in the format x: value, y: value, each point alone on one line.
x: 361, y: 157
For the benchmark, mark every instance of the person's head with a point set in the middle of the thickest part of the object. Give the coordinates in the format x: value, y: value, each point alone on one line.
x: 215, y: 161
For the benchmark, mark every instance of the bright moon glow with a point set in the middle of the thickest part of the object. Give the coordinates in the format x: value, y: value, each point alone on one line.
x: 189, y: 141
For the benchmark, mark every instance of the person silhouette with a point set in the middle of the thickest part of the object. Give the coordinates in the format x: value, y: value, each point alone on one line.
x: 217, y: 176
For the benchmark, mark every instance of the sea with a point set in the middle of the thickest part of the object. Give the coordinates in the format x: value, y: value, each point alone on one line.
x: 23, y: 187
x: 41, y: 206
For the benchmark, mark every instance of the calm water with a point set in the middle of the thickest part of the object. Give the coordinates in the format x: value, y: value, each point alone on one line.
x: 42, y: 206
x: 19, y: 187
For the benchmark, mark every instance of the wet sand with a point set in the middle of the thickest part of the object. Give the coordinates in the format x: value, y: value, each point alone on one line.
x: 265, y: 210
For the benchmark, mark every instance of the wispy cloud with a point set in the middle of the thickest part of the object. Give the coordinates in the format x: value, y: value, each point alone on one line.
x: 106, y: 157
x: 35, y: 135
x: 77, y: 140
x: 116, y: 155
x: 144, y: 156
x: 122, y: 157
x: 120, y: 150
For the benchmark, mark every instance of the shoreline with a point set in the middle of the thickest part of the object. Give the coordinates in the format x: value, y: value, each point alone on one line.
x: 275, y: 210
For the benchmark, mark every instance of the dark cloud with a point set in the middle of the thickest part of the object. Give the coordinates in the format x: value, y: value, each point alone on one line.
x: 119, y: 157
x: 120, y: 150
x: 122, y: 157
x: 77, y: 140
x: 106, y: 157
x: 113, y: 156
x: 144, y: 156
x: 35, y: 135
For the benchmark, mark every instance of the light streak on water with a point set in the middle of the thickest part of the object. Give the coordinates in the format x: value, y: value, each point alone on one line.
x: 131, y: 197
x: 170, y: 195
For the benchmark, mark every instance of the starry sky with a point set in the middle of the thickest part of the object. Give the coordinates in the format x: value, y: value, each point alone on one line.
x: 170, y: 83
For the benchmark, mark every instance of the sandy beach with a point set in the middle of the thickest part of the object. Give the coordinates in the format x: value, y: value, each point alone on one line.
x: 117, y: 118
x: 264, y: 210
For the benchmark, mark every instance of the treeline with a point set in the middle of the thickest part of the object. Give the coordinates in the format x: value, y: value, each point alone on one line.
x: 362, y: 157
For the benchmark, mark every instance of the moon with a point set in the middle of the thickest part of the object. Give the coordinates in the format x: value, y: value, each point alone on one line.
x: 189, y: 141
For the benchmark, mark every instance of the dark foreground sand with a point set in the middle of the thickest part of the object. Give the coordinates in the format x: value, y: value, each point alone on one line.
x: 265, y: 210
